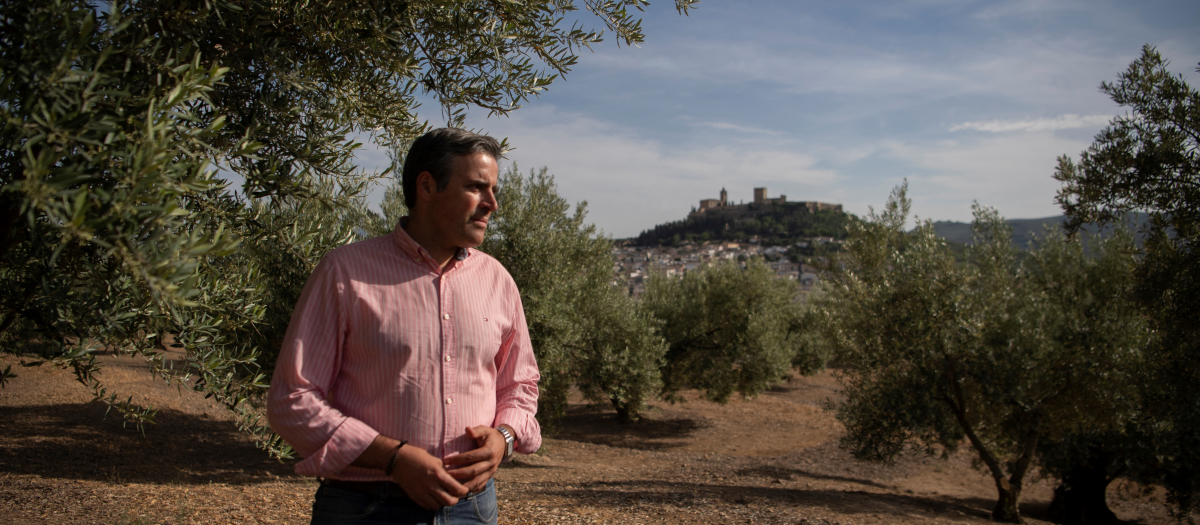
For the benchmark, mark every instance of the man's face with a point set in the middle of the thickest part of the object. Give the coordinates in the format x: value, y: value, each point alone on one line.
x: 462, y: 209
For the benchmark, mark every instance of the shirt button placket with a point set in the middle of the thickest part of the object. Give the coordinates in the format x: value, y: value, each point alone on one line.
x: 450, y: 421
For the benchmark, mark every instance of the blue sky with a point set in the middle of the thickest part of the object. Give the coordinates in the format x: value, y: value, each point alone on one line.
x: 838, y: 102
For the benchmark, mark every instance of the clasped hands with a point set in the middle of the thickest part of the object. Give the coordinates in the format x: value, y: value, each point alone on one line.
x: 433, y: 483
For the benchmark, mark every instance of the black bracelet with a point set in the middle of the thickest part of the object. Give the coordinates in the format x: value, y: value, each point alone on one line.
x: 396, y: 454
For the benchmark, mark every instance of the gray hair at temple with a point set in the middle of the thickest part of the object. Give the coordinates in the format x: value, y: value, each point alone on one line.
x: 436, y: 151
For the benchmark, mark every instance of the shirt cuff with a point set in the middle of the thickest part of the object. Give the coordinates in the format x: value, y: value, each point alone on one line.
x: 345, y: 445
x: 526, y: 428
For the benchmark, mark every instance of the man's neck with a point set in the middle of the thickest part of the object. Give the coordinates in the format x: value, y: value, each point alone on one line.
x: 427, y: 238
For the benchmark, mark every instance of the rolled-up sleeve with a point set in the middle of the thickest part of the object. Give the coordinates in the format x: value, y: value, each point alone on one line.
x: 308, y: 365
x: 516, y: 382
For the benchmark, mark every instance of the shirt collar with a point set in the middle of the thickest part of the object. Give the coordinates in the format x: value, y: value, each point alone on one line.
x: 414, y: 250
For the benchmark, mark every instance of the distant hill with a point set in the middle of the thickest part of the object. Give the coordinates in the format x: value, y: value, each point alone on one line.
x: 787, y: 223
x: 1024, y: 230
x: 772, y: 224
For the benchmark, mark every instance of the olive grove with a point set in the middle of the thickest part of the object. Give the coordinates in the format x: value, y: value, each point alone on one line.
x: 124, y: 123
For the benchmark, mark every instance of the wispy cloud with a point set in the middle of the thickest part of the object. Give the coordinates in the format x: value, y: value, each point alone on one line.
x: 1039, y: 124
x: 1027, y: 9
x: 1011, y: 172
x: 728, y: 126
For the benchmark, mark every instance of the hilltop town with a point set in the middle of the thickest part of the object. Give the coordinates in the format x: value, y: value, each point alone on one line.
x: 766, y: 221
x: 633, y: 261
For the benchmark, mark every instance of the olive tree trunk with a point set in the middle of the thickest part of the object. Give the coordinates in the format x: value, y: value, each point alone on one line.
x: 1008, y: 489
x: 1080, y: 499
x: 624, y: 414
x: 1006, y: 509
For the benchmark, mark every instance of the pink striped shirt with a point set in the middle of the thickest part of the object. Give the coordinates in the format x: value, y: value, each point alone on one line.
x: 383, y: 342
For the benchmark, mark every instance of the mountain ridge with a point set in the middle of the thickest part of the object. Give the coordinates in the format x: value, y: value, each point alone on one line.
x: 1026, y: 231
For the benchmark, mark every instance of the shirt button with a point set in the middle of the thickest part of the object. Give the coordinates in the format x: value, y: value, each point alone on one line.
x: 447, y: 358
x: 448, y: 401
x: 445, y: 316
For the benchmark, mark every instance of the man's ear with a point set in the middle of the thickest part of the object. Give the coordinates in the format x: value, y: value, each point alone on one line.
x: 426, y: 186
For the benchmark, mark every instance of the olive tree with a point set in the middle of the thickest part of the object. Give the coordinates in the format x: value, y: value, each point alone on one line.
x: 730, y: 329
x: 124, y: 121
x: 1148, y: 160
x: 1089, y: 313
x: 622, y: 352
x: 996, y: 352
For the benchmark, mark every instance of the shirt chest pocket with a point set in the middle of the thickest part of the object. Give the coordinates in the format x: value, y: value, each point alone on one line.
x: 478, y: 334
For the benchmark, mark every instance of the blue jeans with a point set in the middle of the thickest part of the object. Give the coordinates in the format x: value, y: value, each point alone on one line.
x: 333, y: 506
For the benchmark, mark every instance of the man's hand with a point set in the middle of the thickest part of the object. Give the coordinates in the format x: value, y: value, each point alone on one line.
x: 422, y: 476
x: 425, y: 479
x: 476, y: 467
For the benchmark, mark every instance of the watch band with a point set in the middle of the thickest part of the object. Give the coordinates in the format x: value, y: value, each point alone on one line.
x: 509, y: 439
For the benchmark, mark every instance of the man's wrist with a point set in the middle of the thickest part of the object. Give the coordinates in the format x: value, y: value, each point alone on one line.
x: 510, y: 441
x: 379, y: 453
x: 392, y: 464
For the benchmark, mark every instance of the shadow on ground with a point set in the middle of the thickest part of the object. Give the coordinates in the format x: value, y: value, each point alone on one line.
x: 772, y: 472
x: 76, y: 441
x: 685, y: 495
x: 602, y: 428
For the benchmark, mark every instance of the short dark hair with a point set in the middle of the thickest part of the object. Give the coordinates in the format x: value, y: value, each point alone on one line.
x: 435, y: 152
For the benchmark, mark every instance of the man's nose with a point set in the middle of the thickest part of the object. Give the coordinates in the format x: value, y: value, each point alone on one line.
x: 489, y: 201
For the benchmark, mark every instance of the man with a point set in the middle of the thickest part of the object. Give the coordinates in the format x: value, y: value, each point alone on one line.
x: 406, y: 375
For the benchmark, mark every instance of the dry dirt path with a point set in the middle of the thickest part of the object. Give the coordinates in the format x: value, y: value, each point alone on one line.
x: 773, y: 459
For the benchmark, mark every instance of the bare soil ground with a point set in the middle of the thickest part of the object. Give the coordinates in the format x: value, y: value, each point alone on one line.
x: 773, y: 459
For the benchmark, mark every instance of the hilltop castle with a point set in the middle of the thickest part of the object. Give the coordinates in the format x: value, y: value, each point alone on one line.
x: 760, y: 198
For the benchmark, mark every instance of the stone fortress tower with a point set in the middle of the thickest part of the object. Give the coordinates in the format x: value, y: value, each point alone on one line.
x: 760, y: 198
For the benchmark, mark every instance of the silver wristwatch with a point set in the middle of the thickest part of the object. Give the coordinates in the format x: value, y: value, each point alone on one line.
x: 509, y: 439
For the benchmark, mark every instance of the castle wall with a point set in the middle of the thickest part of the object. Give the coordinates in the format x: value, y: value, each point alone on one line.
x: 760, y: 197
